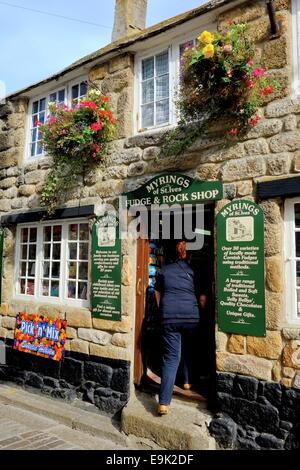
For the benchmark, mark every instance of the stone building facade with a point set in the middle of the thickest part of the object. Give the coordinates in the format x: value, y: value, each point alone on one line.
x: 257, y: 387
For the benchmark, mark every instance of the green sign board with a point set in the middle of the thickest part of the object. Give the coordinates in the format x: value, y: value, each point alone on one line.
x: 240, y: 269
x: 106, y: 268
x: 1, y: 259
x: 175, y: 188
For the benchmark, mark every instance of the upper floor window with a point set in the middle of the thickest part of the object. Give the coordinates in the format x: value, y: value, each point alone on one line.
x: 52, y: 261
x: 296, y: 44
x: 39, y: 110
x: 159, y: 78
x: 292, y: 255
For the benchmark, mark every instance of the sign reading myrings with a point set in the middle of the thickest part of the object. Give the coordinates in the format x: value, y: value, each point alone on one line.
x: 175, y: 188
x: 240, y: 269
x: 106, y: 268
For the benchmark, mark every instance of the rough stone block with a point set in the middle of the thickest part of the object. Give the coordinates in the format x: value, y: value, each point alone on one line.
x: 296, y: 162
x: 237, y: 344
x: 120, y: 63
x: 288, y: 372
x: 244, y: 188
x: 151, y: 153
x: 291, y: 405
x: 71, y: 371
x: 8, y: 322
x: 99, y: 373
x: 273, y: 239
x: 99, y: 72
x: 123, y: 326
x: 296, y: 383
x: 109, y: 188
x: 116, y: 82
x: 291, y: 354
x: 9, y: 158
x: 269, y: 347
x: 274, y: 307
x: 245, y: 365
x: 274, y: 276
x: 290, y: 123
x: 77, y: 345
x: 278, y: 164
x: 291, y: 333
x: 268, y: 441
x: 283, y: 107
x: 265, y: 128
x: 243, y: 168
x: 245, y: 387
x: 273, y: 393
x: 272, y: 212
x: 224, y: 382
x: 287, y: 142
x: 120, y: 339
x: 26, y: 190
x: 208, y: 171
x: 109, y: 351
x: 7, y: 182
x: 276, y: 53
x: 121, y: 379
x: 254, y: 10
x: 256, y: 147
x: 94, y: 336
x: 137, y: 169
x: 52, y: 312
x: 79, y: 318
x: 127, y: 275
x: 224, y: 430
x: 221, y: 341
x: 34, y: 177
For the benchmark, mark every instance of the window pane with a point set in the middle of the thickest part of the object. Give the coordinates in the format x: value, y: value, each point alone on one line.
x: 34, y: 135
x: 53, y: 97
x: 162, y: 63
x: 148, y: 68
x: 162, y: 112
x: 54, y: 289
x: 297, y: 241
x: 42, y: 104
x: 162, y: 87
x: 32, y: 151
x: 148, y: 115
x: 32, y: 252
x: 23, y: 269
x: 39, y: 148
x: 72, y: 250
x: 298, y: 274
x: 47, y: 250
x: 57, y: 233
x: 47, y: 234
x: 55, y: 270
x: 33, y: 233
x: 83, y: 88
x: 82, y: 290
x: 72, y: 270
x: 56, y: 251
x: 148, y: 91
x: 72, y: 290
x: 61, y: 96
x: 45, y: 288
x: 75, y: 92
x: 298, y: 302
x: 35, y: 107
x: 83, y: 251
x: 24, y: 235
x: 24, y: 252
x: 46, y: 269
x: 73, y: 232
x: 22, y: 286
x: 31, y: 269
x: 30, y: 287
x: 83, y: 271
x: 84, y: 232
x: 297, y: 215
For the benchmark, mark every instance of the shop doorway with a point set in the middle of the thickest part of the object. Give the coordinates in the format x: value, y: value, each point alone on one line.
x: 153, y: 253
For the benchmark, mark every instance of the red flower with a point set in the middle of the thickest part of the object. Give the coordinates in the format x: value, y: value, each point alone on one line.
x: 105, y: 99
x: 267, y: 91
x: 38, y: 123
x: 233, y: 131
x: 96, y: 127
x: 258, y: 72
x: 254, y: 121
x: 250, y: 84
x: 88, y: 104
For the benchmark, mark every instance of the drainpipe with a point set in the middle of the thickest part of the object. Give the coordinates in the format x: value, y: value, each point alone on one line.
x: 275, y: 26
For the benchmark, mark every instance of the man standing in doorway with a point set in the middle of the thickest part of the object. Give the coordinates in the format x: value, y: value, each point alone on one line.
x: 178, y: 299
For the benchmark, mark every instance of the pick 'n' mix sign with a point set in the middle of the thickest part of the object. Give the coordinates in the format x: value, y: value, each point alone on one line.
x: 41, y: 336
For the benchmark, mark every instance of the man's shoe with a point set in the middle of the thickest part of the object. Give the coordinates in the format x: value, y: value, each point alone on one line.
x: 162, y: 410
x: 187, y: 386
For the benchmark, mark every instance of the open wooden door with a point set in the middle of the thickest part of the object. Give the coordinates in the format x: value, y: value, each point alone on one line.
x: 141, y: 286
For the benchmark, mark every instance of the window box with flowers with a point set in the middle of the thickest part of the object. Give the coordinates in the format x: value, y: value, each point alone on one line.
x: 221, y: 79
x: 76, y: 138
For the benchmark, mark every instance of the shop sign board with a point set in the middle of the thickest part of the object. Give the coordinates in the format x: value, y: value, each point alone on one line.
x: 240, y: 269
x: 106, y: 268
x: 41, y: 336
x: 175, y: 188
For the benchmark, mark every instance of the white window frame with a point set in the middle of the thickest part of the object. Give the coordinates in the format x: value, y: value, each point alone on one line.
x: 296, y: 44
x: 290, y: 261
x: 174, y: 80
x: 68, y: 101
x: 62, y: 299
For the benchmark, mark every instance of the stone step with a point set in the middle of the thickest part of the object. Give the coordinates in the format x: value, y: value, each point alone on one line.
x: 184, y: 428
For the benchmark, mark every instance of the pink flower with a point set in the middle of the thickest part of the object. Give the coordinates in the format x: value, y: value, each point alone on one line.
x: 250, y: 63
x: 97, y: 148
x: 63, y: 132
x: 96, y: 127
x: 38, y: 123
x: 258, y: 72
x: 52, y: 120
x: 233, y: 131
x: 254, y: 121
x: 250, y: 84
x: 229, y: 73
x: 227, y: 48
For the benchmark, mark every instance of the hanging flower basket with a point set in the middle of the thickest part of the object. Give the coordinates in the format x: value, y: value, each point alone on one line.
x: 222, y: 78
x: 76, y: 138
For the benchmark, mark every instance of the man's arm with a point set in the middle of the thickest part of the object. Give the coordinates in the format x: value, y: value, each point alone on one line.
x: 157, y: 296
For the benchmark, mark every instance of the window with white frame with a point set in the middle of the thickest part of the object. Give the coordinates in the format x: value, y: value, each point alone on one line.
x: 296, y: 43
x: 159, y: 80
x: 39, y: 110
x: 292, y: 258
x: 52, y: 261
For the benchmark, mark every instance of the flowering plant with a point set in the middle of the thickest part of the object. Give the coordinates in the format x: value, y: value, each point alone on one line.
x: 75, y: 137
x: 222, y: 77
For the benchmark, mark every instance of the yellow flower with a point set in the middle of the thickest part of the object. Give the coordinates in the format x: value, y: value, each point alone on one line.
x: 206, y: 37
x: 209, y: 51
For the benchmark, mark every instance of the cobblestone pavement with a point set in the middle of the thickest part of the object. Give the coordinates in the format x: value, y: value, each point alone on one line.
x: 24, y: 430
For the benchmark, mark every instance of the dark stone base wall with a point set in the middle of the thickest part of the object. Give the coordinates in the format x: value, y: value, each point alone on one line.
x: 103, y: 382
x: 255, y: 414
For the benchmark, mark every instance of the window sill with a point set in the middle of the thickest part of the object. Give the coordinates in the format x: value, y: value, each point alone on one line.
x: 39, y: 302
